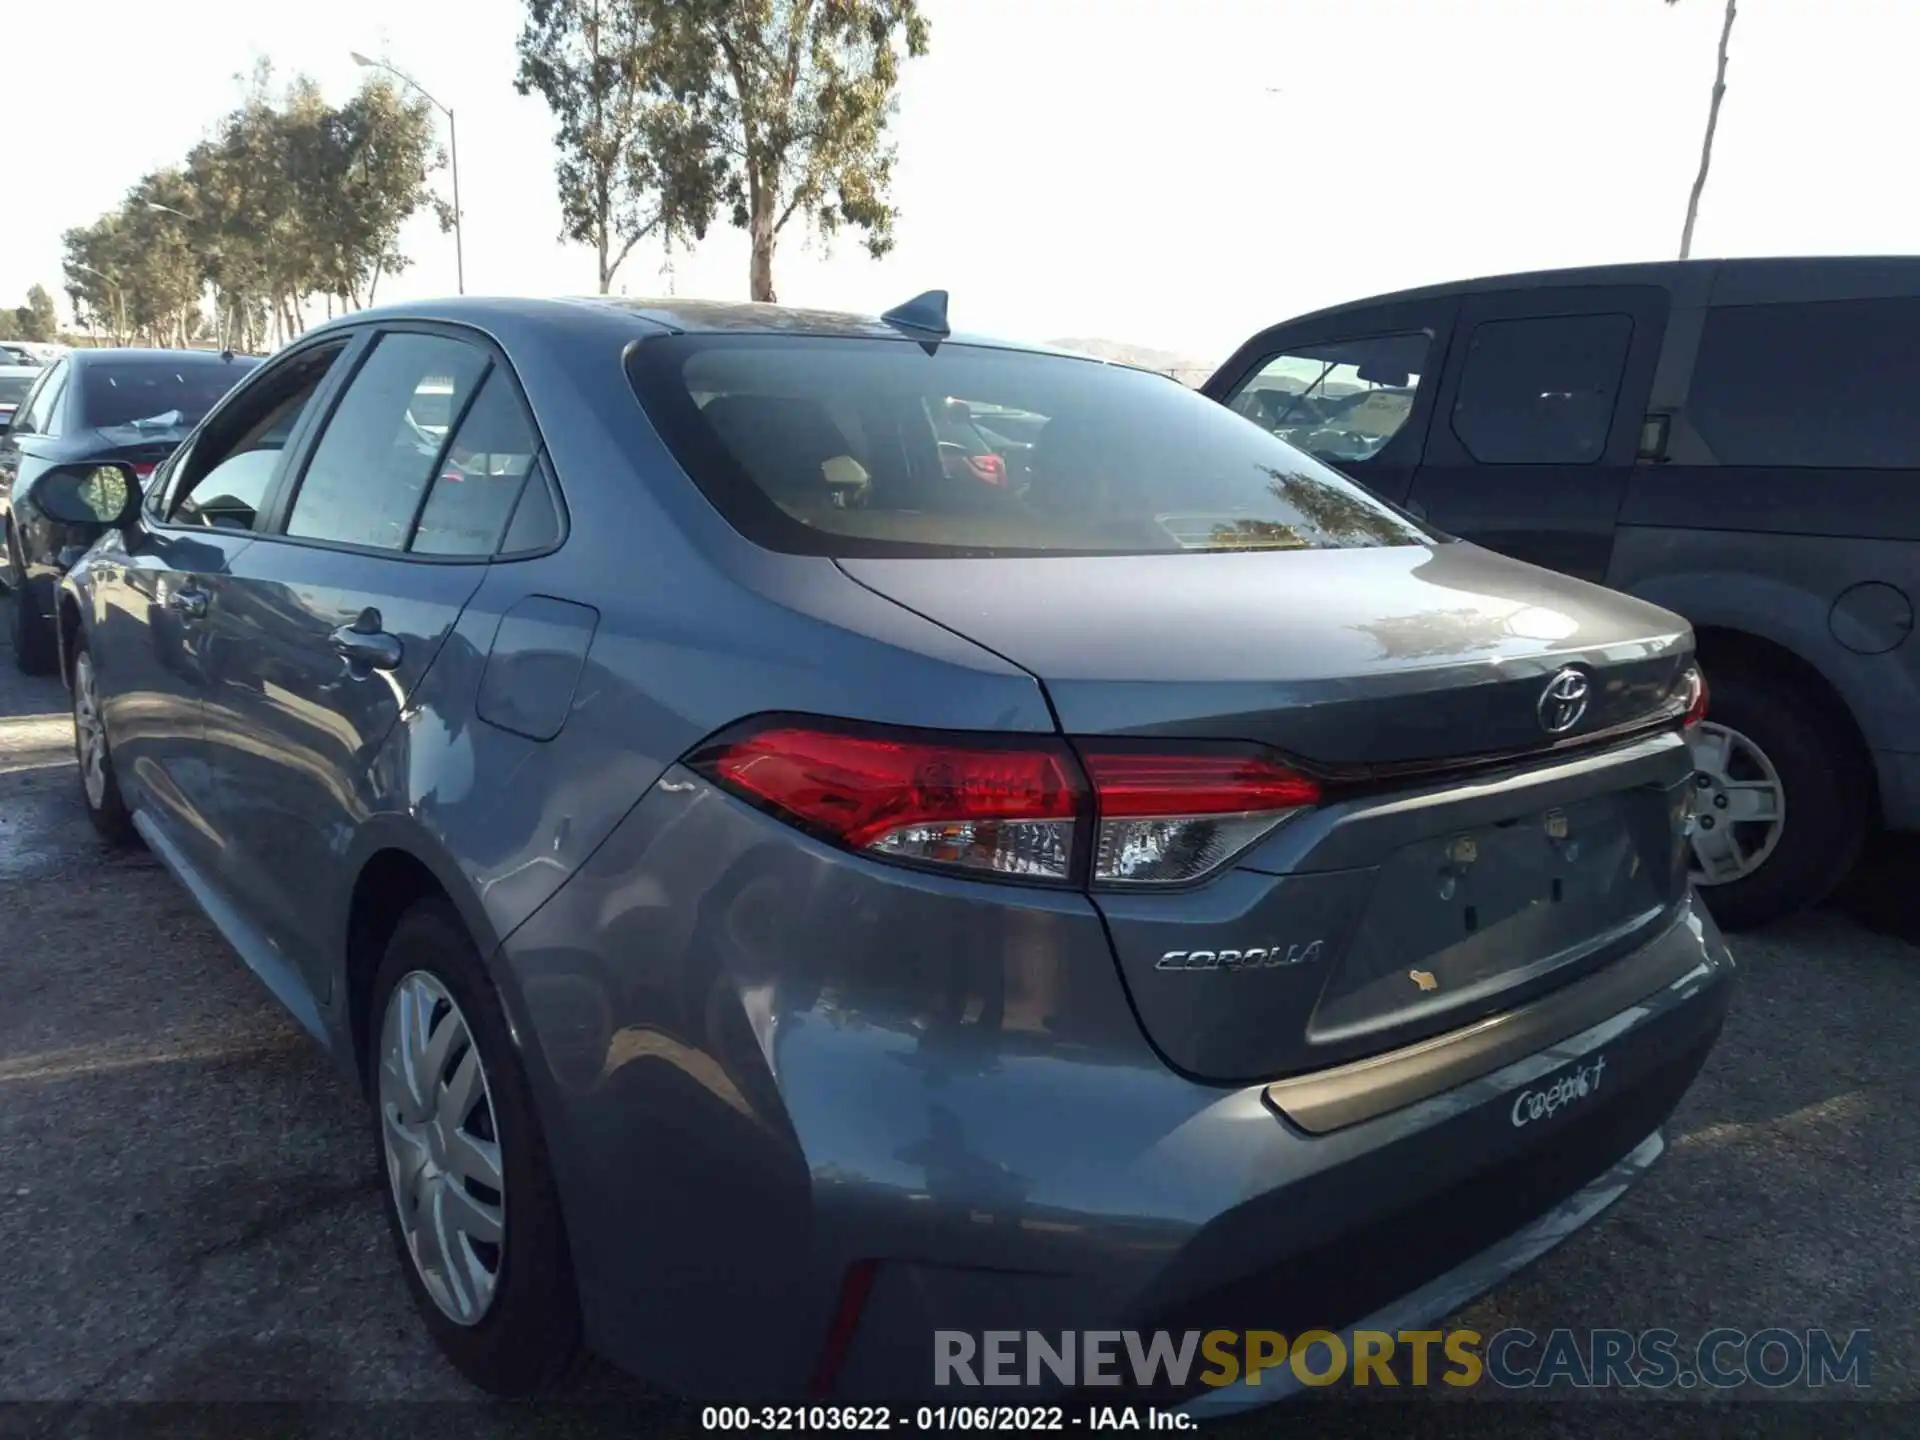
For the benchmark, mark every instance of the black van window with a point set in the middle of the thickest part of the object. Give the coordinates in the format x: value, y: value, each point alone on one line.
x: 1338, y: 400
x: 1830, y: 385
x: 1541, y: 391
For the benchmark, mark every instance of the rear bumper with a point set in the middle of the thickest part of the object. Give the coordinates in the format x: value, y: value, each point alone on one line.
x: 1402, y: 1219
x: 760, y: 1062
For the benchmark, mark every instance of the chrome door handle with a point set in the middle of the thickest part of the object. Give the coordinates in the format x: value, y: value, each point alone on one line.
x: 191, y: 603
x: 373, y: 648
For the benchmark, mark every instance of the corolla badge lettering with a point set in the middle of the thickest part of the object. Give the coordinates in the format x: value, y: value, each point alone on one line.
x: 1260, y: 957
x: 1574, y: 1085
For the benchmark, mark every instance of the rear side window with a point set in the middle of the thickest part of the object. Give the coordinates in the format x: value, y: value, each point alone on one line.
x: 37, y: 418
x: 1828, y: 384
x: 536, y: 523
x: 1541, y: 391
x: 481, y: 475
x: 13, y: 388
x: 366, y: 477
x: 1342, y: 400
x: 854, y: 446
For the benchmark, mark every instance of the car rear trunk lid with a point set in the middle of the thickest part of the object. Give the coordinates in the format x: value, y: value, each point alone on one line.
x: 1474, y: 851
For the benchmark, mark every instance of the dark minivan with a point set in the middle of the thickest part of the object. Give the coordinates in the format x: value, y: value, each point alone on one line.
x: 1736, y: 440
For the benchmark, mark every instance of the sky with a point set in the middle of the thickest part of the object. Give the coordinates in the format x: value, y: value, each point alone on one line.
x: 1121, y: 170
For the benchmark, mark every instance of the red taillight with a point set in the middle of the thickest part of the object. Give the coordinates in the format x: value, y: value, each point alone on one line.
x: 143, y: 468
x: 1171, y: 817
x: 1694, y: 688
x: 990, y: 468
x: 1008, y: 809
x: 1013, y: 808
x: 1143, y: 783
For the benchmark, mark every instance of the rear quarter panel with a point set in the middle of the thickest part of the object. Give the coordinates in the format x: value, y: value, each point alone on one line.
x: 692, y: 630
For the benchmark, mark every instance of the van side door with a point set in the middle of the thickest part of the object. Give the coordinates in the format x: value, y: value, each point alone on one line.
x: 1538, y: 418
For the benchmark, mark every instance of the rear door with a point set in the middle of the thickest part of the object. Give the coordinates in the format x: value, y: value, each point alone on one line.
x: 1352, y: 389
x: 1537, y: 421
x: 328, y: 623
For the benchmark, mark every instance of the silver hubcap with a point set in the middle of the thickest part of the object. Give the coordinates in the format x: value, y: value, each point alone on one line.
x: 443, y: 1148
x: 90, y: 736
x: 1740, y: 807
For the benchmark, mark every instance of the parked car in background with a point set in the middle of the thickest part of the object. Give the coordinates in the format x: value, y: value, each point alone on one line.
x: 1733, y: 439
x: 13, y: 354
x: 760, y: 877
x: 15, y: 381
x: 131, y: 406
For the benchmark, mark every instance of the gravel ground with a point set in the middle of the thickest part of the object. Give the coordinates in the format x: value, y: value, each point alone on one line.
x: 189, y: 1207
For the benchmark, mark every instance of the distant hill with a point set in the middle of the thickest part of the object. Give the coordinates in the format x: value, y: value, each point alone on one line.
x: 1182, y: 367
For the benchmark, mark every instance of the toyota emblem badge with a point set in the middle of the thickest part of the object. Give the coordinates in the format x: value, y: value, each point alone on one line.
x: 1564, y: 702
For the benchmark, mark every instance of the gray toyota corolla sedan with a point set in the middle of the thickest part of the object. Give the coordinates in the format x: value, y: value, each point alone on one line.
x: 791, y: 885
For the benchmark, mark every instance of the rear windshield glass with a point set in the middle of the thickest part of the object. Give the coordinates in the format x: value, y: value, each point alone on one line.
x: 13, y: 388
x: 874, y: 447
x: 163, y: 393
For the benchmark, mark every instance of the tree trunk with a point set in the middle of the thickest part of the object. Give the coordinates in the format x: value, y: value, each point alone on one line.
x: 1713, y: 122
x: 760, y: 227
x: 606, y: 275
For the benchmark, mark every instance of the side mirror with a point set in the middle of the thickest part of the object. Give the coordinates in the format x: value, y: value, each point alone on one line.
x: 102, y: 495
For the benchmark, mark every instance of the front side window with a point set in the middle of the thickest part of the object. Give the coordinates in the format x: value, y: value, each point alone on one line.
x: 155, y: 394
x: 1341, y: 401
x: 364, y: 482
x: 224, y: 478
x: 1829, y: 384
x: 1541, y: 391
x: 872, y: 447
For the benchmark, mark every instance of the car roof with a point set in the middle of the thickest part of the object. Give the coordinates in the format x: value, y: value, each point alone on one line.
x: 1755, y: 281
x: 501, y: 316
x: 157, y: 356
x: 15, y: 372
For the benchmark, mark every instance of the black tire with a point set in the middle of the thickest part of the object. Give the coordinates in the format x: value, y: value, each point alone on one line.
x: 1826, y: 793
x: 36, y: 644
x: 528, y: 1340
x: 110, y: 816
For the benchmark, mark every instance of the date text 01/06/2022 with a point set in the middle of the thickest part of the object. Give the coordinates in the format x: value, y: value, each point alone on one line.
x: 936, y: 1419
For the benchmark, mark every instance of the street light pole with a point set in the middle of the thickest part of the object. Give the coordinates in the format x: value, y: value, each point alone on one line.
x: 459, y: 250
x: 453, y: 155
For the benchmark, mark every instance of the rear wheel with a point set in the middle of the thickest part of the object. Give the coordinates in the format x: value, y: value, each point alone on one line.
x: 99, y: 784
x: 470, y: 1193
x: 1781, y: 798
